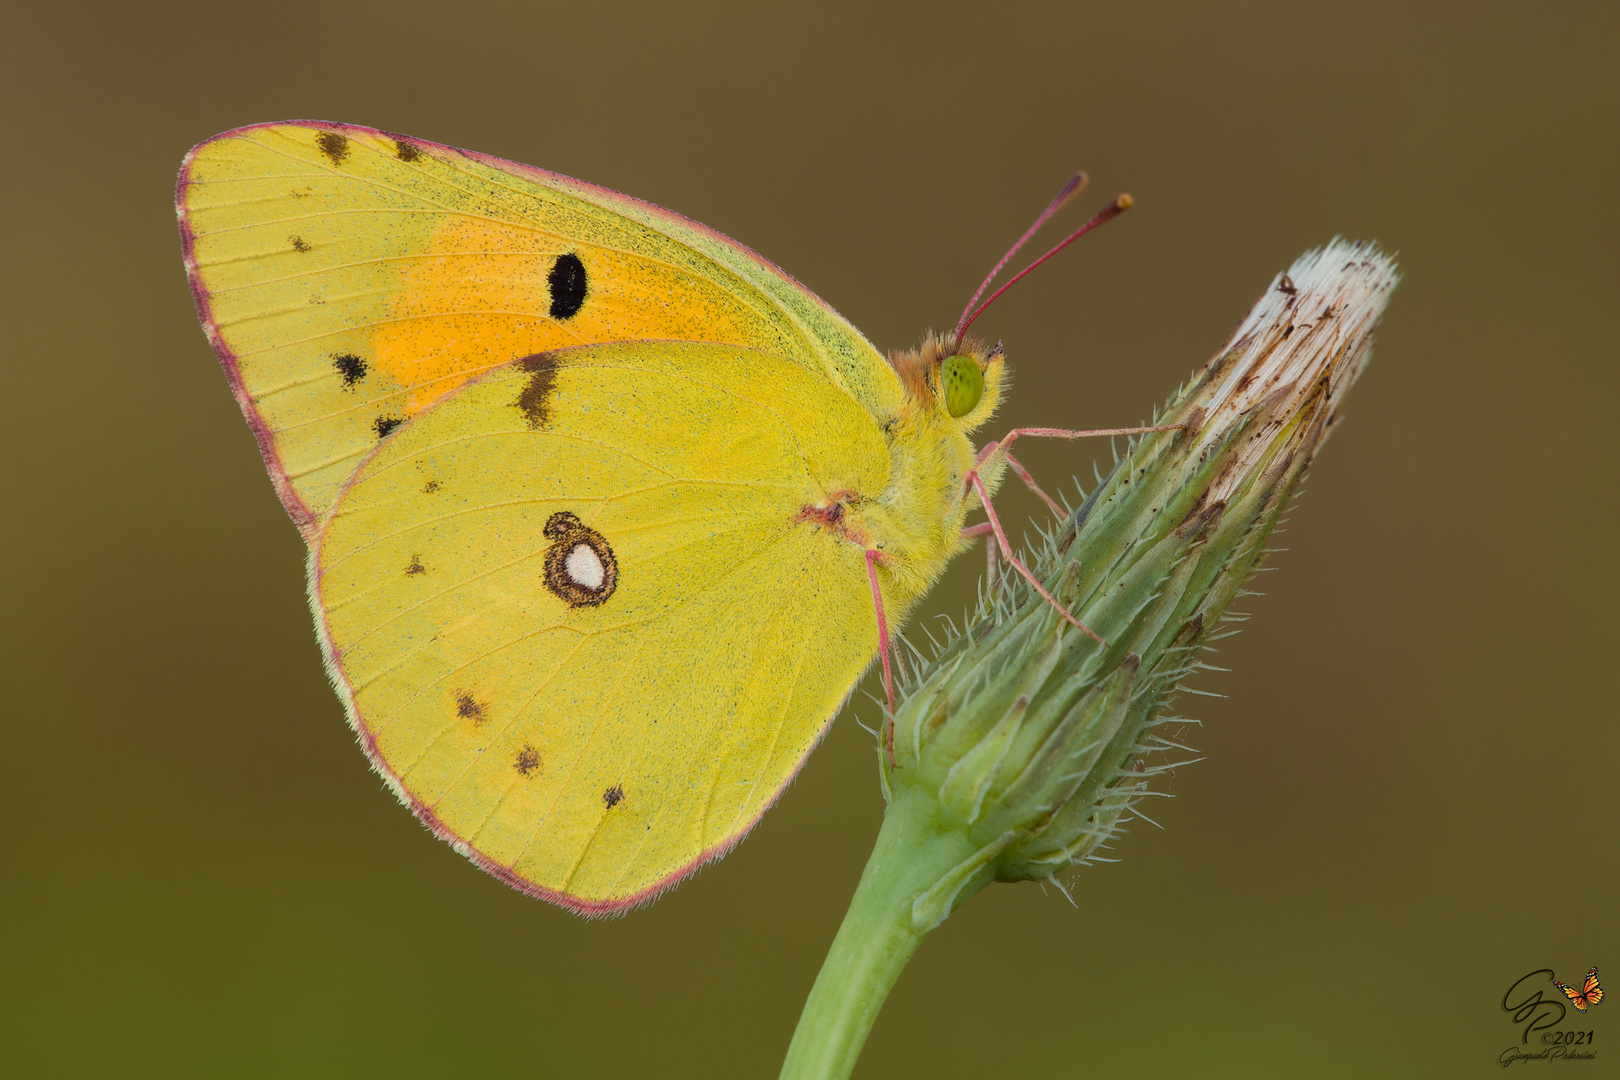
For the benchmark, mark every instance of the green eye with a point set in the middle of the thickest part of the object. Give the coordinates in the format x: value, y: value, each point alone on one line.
x: 963, y: 383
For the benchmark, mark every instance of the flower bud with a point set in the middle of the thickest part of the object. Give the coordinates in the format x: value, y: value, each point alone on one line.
x: 1028, y: 738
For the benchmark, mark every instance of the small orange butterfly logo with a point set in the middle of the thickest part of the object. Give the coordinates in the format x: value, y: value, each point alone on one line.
x: 1589, y: 994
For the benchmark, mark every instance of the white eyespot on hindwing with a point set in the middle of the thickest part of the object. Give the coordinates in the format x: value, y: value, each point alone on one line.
x: 580, y: 567
x: 584, y: 568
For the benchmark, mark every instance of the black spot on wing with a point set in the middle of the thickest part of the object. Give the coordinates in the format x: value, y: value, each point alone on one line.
x: 416, y: 567
x: 469, y: 707
x: 568, y: 286
x: 350, y: 368
x: 299, y: 243
x: 528, y: 761
x: 535, y: 400
x: 406, y: 150
x: 333, y: 145
x: 385, y: 424
x: 430, y: 487
x: 613, y: 796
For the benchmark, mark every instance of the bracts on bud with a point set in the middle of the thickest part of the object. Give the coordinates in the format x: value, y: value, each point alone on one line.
x: 1026, y: 733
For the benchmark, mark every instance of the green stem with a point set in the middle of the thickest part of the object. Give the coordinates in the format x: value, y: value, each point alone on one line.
x: 878, y: 936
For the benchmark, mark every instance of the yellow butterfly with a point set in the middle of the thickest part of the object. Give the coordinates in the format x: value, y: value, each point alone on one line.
x: 600, y: 503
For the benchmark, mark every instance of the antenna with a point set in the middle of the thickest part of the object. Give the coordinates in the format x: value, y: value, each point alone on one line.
x: 1070, y: 190
x: 1077, y: 184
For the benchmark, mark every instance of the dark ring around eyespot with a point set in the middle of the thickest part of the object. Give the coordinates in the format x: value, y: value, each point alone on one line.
x: 567, y: 533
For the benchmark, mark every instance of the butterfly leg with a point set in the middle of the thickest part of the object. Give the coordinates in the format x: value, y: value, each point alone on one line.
x: 872, y: 557
x: 1029, y: 482
x: 1000, y: 445
x: 1017, y: 564
x: 993, y: 525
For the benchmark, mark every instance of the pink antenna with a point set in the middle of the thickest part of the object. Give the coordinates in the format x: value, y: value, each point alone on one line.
x: 1070, y: 190
x: 1077, y: 184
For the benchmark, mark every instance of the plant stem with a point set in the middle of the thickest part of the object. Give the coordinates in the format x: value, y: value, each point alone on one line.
x: 877, y: 938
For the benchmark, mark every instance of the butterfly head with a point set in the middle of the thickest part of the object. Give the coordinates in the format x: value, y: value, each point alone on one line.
x: 958, y: 383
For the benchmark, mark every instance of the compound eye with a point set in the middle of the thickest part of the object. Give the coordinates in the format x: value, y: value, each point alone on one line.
x: 962, y: 383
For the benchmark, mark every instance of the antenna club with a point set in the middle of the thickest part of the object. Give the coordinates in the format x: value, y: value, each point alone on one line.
x: 1125, y: 202
x: 1077, y: 183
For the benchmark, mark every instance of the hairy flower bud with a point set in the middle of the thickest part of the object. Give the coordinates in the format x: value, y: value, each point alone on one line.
x: 1025, y: 740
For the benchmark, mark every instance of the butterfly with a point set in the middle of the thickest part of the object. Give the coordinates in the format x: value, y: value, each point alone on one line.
x: 606, y: 514
x: 1588, y: 995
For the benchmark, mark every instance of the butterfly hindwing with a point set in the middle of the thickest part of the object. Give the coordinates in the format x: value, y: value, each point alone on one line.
x: 348, y: 278
x: 579, y: 618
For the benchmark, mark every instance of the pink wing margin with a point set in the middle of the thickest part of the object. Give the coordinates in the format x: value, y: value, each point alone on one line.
x: 676, y: 226
x: 300, y: 513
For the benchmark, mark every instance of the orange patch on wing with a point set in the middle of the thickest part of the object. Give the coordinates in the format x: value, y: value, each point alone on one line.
x: 481, y: 297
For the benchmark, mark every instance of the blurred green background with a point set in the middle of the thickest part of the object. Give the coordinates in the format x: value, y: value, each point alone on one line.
x: 1408, y: 798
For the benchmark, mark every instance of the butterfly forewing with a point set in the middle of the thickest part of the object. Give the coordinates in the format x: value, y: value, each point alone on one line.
x: 349, y: 278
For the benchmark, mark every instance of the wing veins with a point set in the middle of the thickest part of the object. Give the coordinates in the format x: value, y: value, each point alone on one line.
x: 781, y: 720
